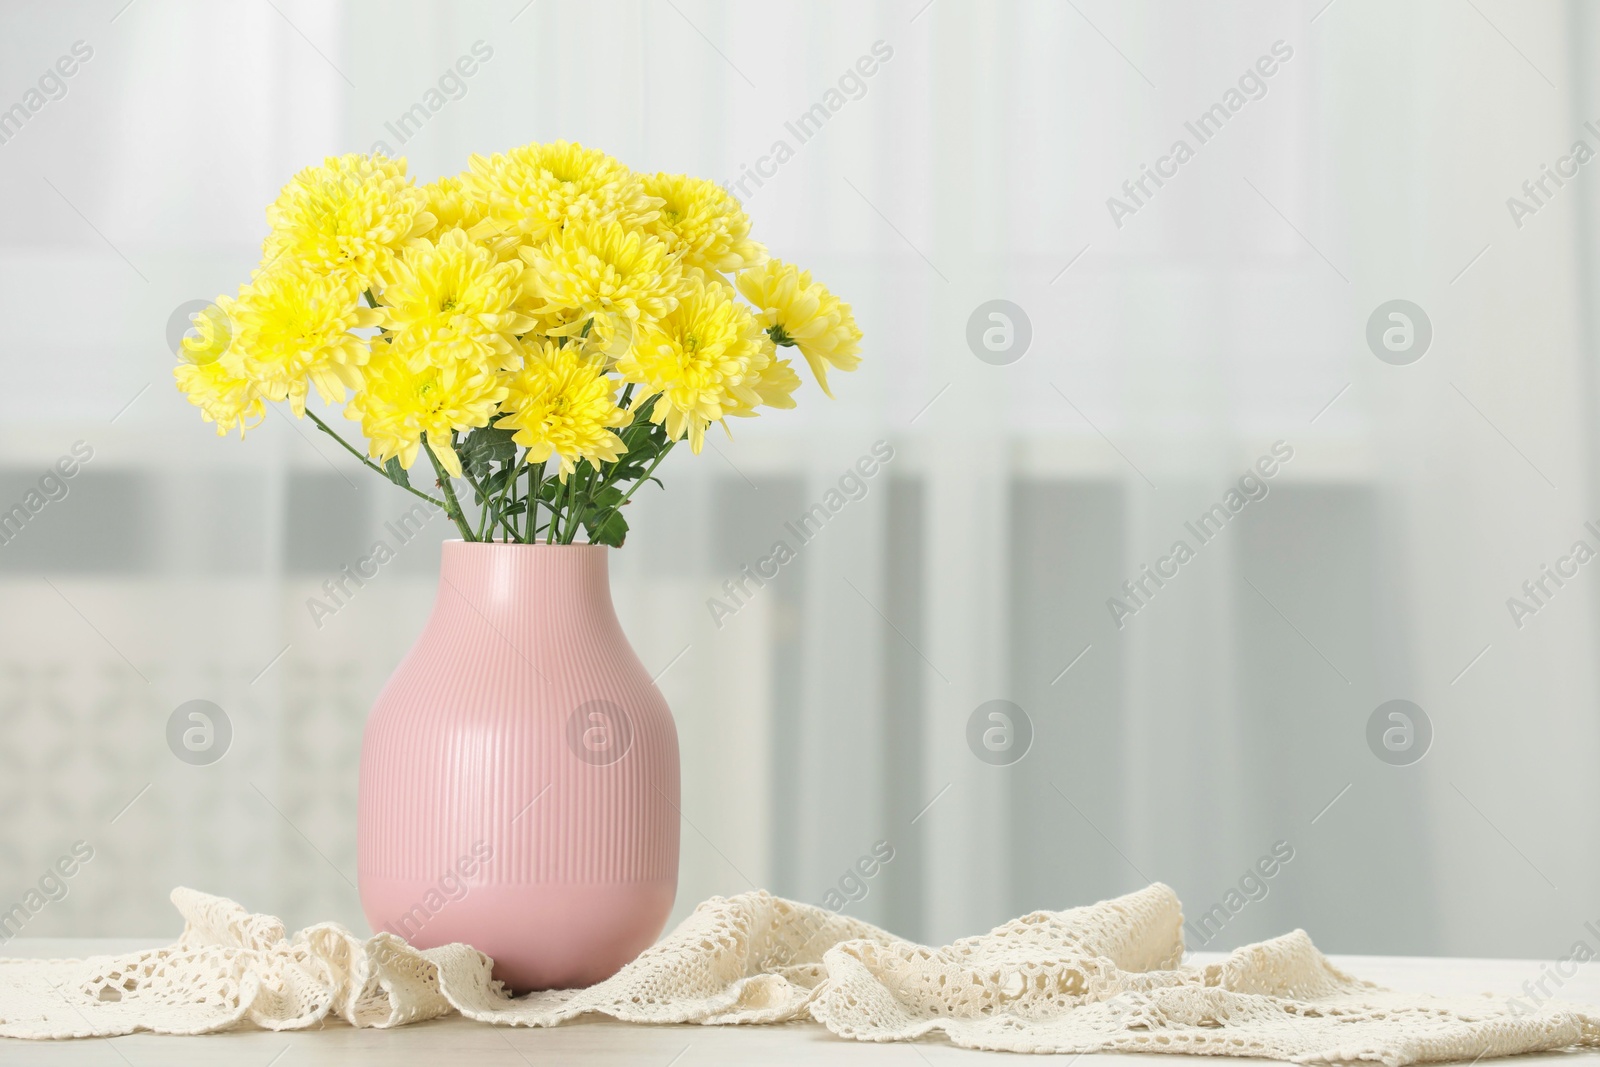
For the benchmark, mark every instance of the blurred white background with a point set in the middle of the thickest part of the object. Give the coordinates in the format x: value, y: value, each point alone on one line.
x: 1227, y: 311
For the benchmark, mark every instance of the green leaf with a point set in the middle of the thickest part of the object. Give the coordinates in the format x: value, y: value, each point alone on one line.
x: 484, y: 446
x: 497, y: 481
x: 611, y: 531
x: 397, y: 474
x: 644, y: 441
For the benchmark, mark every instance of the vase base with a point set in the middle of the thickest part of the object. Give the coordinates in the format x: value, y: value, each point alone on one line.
x: 553, y: 935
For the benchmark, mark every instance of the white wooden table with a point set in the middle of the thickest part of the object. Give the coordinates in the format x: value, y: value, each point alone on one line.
x: 452, y: 1041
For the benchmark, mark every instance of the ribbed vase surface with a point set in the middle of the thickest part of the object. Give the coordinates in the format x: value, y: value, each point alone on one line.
x: 519, y: 774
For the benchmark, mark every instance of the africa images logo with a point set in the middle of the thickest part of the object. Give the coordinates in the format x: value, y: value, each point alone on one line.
x: 1252, y: 486
x: 1252, y: 85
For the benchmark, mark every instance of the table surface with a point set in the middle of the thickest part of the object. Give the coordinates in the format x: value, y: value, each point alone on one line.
x: 599, y: 1041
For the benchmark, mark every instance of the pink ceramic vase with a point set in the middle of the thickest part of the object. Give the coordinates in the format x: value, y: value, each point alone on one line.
x: 519, y: 774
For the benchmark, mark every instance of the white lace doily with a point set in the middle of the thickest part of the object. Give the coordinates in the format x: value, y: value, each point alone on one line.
x: 1103, y: 977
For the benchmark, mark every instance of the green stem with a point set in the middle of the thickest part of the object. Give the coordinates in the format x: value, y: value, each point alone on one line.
x: 645, y: 477
x: 574, y: 503
x: 453, y: 506
x: 535, y: 484
x: 483, y: 506
x: 325, y: 428
x: 581, y: 500
x: 489, y: 516
x: 608, y: 477
x: 489, y: 511
x: 477, y: 491
x: 629, y: 432
x: 555, y: 511
x: 566, y: 507
x: 505, y: 488
x: 569, y: 501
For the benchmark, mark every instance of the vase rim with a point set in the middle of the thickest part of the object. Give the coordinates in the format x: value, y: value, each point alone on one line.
x: 580, y: 546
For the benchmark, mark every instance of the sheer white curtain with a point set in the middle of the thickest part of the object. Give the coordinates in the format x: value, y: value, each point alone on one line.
x: 1227, y: 312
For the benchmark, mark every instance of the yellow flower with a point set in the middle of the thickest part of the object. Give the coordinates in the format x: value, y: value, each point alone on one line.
x: 293, y: 324
x: 213, y: 336
x: 605, y: 269
x: 450, y: 300
x: 602, y: 339
x: 211, y: 375
x: 696, y: 361
x: 703, y: 222
x: 453, y: 206
x: 771, y: 379
x: 403, y: 401
x: 450, y: 204
x: 796, y: 312
x: 562, y: 403
x: 350, y: 215
x: 538, y: 189
x: 222, y: 396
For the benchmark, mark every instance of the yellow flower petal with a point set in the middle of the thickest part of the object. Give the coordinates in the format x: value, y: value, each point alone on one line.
x: 562, y: 403
x: 348, y: 216
x: 797, y: 312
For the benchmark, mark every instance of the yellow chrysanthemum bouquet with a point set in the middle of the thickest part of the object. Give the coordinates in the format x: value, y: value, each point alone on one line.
x: 546, y: 326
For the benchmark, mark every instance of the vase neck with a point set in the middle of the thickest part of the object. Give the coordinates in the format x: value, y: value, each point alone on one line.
x: 498, y: 579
